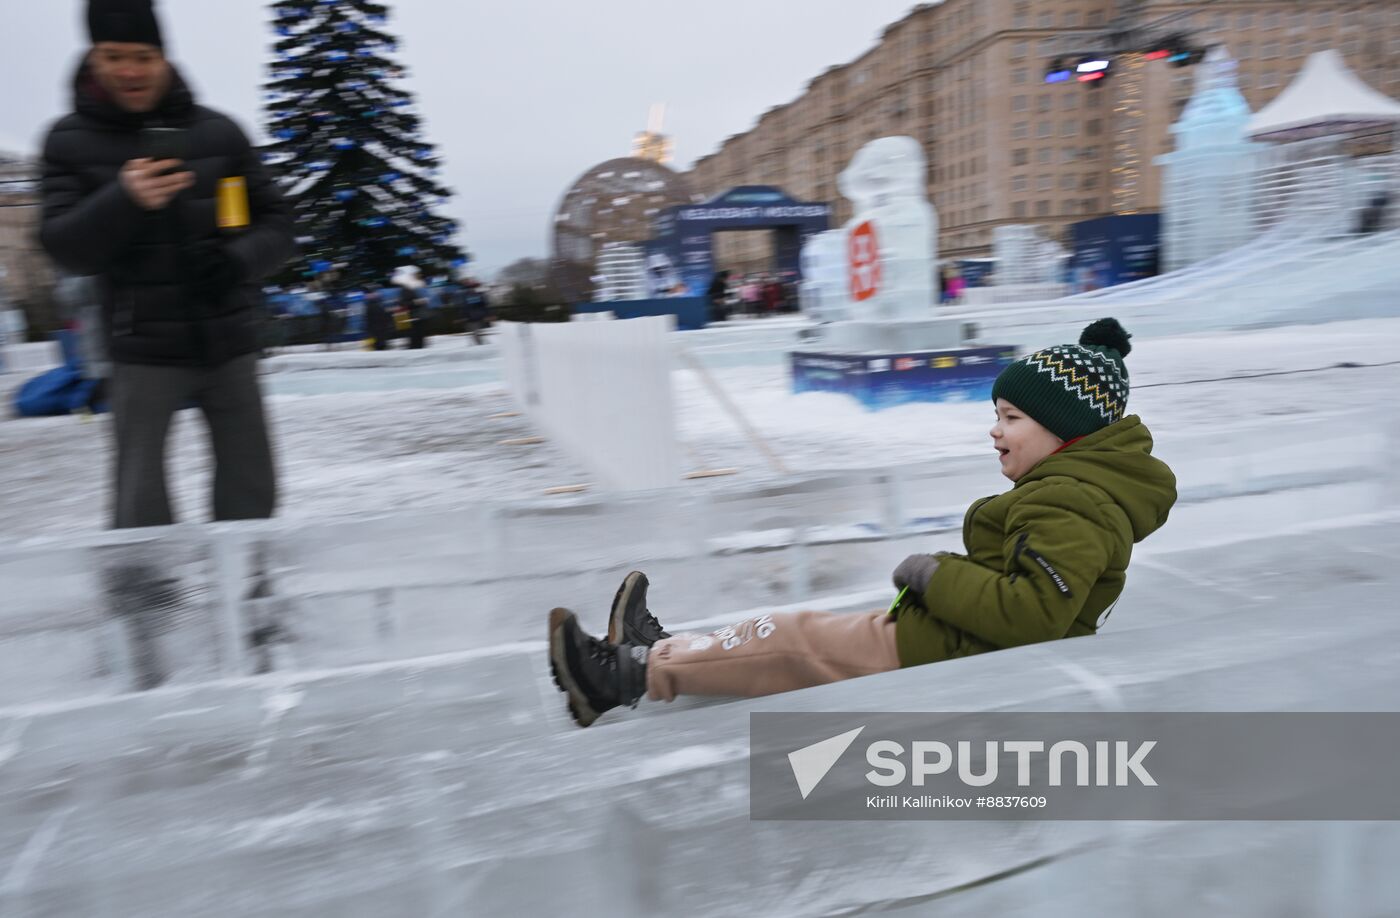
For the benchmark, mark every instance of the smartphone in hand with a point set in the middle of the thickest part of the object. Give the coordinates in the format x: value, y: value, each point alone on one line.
x: 165, y: 143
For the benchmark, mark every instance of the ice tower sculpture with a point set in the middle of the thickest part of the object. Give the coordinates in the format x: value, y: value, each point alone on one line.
x: 622, y: 272
x: 1207, y: 199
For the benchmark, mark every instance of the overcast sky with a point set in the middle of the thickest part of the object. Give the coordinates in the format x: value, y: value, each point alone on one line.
x: 520, y: 96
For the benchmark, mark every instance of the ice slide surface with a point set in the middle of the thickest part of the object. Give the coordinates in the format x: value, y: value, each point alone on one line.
x: 456, y: 785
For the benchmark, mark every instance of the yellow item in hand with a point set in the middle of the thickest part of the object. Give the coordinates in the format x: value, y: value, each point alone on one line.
x: 233, y: 203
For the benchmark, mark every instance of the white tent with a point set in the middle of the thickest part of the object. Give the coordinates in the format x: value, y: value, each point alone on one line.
x: 1324, y: 98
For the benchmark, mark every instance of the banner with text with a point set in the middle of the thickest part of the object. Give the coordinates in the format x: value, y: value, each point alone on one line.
x: 1019, y: 765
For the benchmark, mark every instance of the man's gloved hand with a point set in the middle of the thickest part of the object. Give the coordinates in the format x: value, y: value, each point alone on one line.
x: 915, y: 572
x: 210, y: 271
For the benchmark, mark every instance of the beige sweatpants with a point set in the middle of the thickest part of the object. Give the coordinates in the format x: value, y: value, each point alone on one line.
x: 774, y: 653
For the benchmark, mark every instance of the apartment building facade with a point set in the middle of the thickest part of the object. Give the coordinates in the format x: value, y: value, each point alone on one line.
x: 966, y: 78
x: 27, y: 277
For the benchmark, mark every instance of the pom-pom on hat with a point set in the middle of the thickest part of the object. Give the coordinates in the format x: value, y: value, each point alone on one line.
x: 129, y: 21
x: 1072, y: 389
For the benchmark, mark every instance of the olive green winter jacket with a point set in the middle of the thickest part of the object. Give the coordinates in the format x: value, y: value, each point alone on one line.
x: 1047, y: 558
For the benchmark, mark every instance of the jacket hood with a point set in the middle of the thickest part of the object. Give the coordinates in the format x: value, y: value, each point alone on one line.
x: 1118, y: 460
x: 90, y: 99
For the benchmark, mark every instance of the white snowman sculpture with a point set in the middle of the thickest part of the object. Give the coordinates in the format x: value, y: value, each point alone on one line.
x: 892, y: 241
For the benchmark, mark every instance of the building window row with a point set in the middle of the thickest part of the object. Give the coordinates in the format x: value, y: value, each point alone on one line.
x: 1045, y: 207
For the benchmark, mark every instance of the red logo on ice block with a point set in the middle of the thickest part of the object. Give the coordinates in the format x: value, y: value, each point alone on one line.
x: 864, y: 251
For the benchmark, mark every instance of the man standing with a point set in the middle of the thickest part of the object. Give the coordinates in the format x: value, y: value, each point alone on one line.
x: 178, y: 244
x: 476, y: 310
x: 413, y: 305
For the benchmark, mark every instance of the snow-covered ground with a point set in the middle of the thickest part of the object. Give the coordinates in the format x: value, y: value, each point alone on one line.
x: 403, y: 437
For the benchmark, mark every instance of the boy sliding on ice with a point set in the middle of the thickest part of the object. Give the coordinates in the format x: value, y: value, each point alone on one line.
x: 1043, y: 560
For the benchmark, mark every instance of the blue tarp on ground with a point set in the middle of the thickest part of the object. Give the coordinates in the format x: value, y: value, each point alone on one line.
x: 62, y: 390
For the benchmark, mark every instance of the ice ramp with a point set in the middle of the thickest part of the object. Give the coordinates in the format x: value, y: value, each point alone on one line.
x: 455, y: 785
x: 1331, y: 280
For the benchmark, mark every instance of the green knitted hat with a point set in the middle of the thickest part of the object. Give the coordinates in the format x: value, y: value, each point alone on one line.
x: 1072, y: 389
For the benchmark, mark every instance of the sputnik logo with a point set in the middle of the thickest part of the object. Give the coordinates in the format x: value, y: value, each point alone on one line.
x: 810, y: 764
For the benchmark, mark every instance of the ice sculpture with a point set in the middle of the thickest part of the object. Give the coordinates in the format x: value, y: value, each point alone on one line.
x: 892, y: 241
x: 622, y: 272
x: 824, y: 293
x: 1025, y: 256
x: 883, y: 258
x: 1207, y: 179
x: 871, y: 284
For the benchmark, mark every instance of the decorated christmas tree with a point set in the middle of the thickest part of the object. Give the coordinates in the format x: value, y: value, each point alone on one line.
x: 347, y: 148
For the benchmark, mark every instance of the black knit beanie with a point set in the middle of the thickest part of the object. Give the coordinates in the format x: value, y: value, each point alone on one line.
x: 131, y: 21
x: 1072, y: 389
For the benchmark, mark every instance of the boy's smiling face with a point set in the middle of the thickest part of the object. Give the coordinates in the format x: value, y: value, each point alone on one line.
x: 1020, y: 441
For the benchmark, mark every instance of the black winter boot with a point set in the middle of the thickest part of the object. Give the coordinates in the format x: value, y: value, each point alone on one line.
x: 597, y: 675
x: 630, y: 622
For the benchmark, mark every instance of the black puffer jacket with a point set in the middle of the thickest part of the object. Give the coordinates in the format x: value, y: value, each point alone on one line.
x: 92, y: 227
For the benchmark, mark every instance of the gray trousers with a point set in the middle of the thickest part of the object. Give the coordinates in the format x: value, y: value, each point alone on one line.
x: 144, y: 399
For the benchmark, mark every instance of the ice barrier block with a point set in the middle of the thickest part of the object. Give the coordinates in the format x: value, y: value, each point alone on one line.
x: 569, y: 377
x: 120, y: 613
x: 258, y: 597
x: 583, y: 534
x: 414, y: 546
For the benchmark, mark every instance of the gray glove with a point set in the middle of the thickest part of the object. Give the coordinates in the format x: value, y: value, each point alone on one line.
x: 915, y: 572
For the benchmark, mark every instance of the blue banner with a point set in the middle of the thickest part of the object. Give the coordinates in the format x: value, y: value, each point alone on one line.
x: 1114, y: 250
x: 976, y: 271
x: 887, y: 380
x: 690, y: 312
